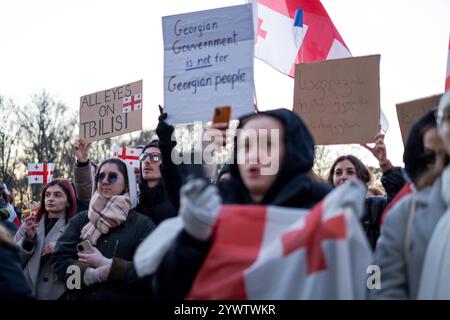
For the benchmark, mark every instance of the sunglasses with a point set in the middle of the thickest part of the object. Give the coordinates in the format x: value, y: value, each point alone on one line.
x: 154, y: 157
x: 110, y: 178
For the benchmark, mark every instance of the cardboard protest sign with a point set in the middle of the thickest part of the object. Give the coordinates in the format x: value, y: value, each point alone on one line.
x: 111, y: 112
x: 339, y: 100
x: 409, y: 112
x: 208, y: 62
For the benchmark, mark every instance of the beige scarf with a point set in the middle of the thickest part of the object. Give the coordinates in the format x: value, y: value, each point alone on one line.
x: 105, y: 213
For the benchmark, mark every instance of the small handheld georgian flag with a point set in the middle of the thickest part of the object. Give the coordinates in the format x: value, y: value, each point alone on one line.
x: 132, y: 103
x: 128, y: 155
x: 40, y: 173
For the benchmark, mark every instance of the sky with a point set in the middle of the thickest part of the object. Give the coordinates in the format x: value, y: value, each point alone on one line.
x: 72, y: 48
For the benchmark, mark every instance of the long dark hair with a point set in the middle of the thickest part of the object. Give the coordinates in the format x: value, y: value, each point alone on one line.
x: 362, y: 172
x: 71, y: 198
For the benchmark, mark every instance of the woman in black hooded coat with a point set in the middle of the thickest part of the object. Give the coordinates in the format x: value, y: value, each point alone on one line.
x: 292, y: 187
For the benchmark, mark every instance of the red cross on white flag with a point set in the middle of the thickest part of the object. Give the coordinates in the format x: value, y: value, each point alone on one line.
x: 132, y: 103
x: 267, y: 252
x: 128, y: 155
x: 40, y: 173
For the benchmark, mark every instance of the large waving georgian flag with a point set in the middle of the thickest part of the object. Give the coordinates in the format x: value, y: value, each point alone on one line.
x: 270, y: 252
x: 275, y: 43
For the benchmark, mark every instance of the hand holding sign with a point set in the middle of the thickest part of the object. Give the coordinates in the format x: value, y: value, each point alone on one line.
x: 379, y: 152
x: 81, y: 150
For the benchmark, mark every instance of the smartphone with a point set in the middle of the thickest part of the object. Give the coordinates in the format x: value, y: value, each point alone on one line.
x: 222, y: 114
x: 85, y: 246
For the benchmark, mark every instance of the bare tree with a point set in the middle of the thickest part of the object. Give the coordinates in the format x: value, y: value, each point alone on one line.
x: 9, y: 138
x: 48, y: 131
x: 323, y: 161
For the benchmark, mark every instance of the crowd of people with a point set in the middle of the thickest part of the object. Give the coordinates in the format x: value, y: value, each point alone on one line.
x: 93, y: 226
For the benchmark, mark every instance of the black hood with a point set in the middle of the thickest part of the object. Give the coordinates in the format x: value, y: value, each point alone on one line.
x: 298, y: 160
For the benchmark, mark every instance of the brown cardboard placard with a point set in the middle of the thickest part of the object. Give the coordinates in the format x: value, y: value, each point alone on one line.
x: 111, y: 112
x: 339, y: 100
x: 408, y: 112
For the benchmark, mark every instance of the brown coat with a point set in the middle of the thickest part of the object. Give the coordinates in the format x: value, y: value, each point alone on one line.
x: 41, y: 278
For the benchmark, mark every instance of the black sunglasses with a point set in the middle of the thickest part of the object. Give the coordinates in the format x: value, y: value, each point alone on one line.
x: 154, y: 157
x: 110, y: 178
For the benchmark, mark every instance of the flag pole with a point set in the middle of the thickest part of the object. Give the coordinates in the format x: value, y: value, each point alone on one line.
x: 255, y: 104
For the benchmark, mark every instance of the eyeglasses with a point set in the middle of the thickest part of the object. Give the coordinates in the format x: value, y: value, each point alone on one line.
x: 154, y: 157
x: 110, y: 178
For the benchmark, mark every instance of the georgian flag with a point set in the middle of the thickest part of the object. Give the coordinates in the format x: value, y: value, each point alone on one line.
x: 275, y: 45
x: 128, y: 155
x: 40, y: 173
x: 268, y: 252
x: 132, y: 103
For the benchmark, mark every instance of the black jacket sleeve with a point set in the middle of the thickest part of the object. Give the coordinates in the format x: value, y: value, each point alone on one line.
x: 392, y: 181
x: 177, y: 271
x: 170, y: 172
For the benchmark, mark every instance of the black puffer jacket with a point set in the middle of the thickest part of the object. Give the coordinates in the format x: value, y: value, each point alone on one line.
x: 154, y: 202
x: 293, y: 187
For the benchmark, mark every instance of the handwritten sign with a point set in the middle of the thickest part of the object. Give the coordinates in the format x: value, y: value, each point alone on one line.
x: 409, y: 112
x: 339, y: 100
x: 111, y: 112
x: 208, y: 62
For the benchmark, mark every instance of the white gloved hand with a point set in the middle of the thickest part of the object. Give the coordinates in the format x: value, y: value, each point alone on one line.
x: 199, y: 208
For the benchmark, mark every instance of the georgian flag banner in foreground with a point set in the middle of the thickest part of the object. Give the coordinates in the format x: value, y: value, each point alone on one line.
x: 275, y: 43
x: 40, y: 172
x: 447, y: 79
x: 268, y: 252
x: 128, y: 155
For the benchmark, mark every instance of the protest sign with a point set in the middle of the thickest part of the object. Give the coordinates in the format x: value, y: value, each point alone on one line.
x: 208, y: 62
x: 111, y: 112
x: 339, y: 100
x: 409, y: 112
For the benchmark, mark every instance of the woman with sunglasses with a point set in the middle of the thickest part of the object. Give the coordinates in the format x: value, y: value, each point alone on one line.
x: 38, y: 234
x: 100, y: 243
x: 153, y: 198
